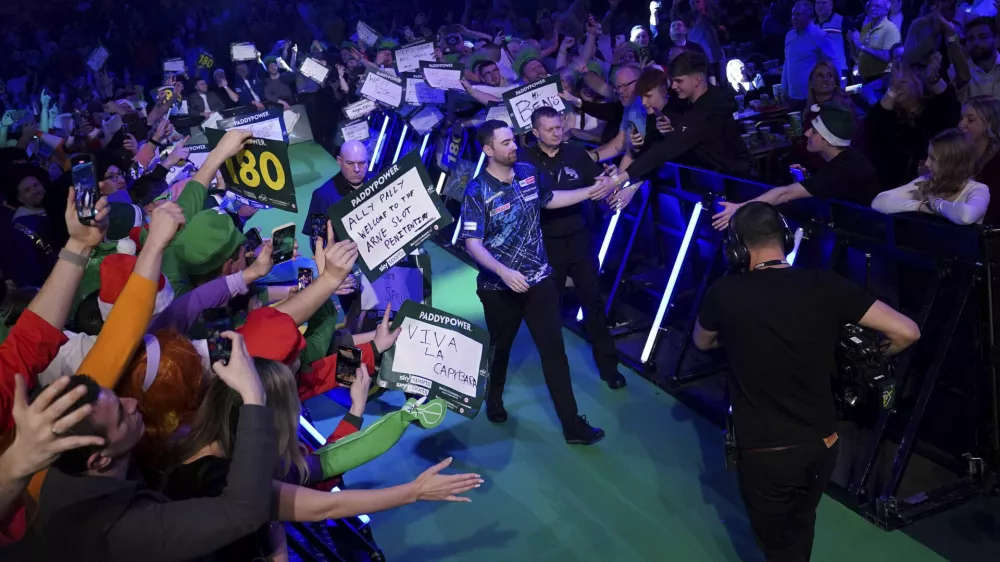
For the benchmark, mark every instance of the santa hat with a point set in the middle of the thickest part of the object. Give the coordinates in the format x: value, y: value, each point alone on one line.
x: 833, y: 122
x: 115, y: 272
x: 271, y: 334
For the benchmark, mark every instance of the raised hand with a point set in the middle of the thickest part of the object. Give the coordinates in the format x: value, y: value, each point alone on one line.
x: 89, y: 235
x: 263, y: 263
x: 166, y: 220
x: 434, y: 486
x: 177, y: 153
x: 384, y: 337
x: 39, y: 427
x: 359, y: 388
x: 720, y: 220
x: 232, y: 142
x: 239, y: 373
x: 130, y: 144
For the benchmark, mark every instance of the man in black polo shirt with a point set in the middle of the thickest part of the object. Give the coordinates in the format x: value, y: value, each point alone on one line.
x: 780, y: 326
x: 567, y: 239
x: 848, y: 175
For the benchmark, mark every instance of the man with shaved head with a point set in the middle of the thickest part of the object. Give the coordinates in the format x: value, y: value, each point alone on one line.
x: 353, y: 160
x: 805, y: 45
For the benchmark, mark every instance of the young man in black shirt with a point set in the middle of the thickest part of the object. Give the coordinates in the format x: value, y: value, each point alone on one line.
x: 780, y: 327
x: 848, y: 175
x: 565, y: 232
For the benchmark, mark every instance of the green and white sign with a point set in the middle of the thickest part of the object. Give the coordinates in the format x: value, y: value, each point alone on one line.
x: 438, y: 355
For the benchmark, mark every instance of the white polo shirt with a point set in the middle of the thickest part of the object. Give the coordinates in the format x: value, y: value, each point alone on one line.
x: 982, y: 83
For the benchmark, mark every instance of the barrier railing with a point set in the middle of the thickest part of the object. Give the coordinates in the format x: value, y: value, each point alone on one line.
x: 659, y: 255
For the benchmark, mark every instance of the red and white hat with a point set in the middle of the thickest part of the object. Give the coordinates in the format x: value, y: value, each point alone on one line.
x: 115, y: 271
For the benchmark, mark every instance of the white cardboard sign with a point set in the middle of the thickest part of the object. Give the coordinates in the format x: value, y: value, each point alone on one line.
x: 359, y: 109
x: 443, y: 75
x: 426, y: 119
x: 356, y: 130
x: 366, y: 34
x: 523, y: 101
x: 383, y: 88
x: 408, y: 58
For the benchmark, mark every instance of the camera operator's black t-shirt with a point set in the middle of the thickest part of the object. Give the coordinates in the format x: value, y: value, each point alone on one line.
x: 849, y: 177
x: 779, y: 328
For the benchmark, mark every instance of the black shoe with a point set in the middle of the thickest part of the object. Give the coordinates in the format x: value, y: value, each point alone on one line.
x: 615, y: 381
x: 496, y: 413
x: 582, y: 433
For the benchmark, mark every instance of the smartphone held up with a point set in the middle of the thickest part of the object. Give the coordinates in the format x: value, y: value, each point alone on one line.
x: 86, y: 185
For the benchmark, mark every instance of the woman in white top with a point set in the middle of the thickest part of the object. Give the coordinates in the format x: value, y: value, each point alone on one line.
x: 948, y: 188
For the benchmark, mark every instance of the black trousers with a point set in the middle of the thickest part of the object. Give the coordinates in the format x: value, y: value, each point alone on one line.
x: 574, y: 257
x: 539, y: 308
x: 781, y: 490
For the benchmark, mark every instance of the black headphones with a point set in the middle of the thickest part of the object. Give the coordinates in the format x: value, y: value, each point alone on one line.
x: 735, y: 251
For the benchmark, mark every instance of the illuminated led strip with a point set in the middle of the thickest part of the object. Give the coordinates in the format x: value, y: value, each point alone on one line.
x: 322, y: 440
x: 458, y: 225
x: 402, y: 139
x: 604, y: 250
x: 423, y: 147
x: 441, y: 182
x: 668, y: 292
x: 790, y: 258
x: 378, y: 145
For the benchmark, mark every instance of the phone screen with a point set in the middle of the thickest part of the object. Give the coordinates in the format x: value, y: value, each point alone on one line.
x: 283, y: 240
x: 348, y: 362
x: 305, y: 277
x: 217, y: 321
x: 253, y: 239
x: 85, y: 183
x: 317, y: 226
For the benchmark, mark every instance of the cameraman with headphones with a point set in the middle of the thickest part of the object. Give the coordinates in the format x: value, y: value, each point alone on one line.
x: 780, y: 328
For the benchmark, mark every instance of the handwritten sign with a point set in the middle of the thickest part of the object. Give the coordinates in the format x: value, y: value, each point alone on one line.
x: 523, y: 101
x: 426, y: 119
x: 398, y: 285
x: 240, y: 52
x: 260, y: 172
x: 97, y: 58
x: 366, y: 34
x: 408, y: 58
x: 418, y: 92
x: 499, y: 113
x: 383, y: 88
x: 267, y: 124
x: 391, y: 215
x: 173, y: 66
x: 313, y: 70
x: 359, y: 109
x: 356, y: 130
x: 205, y: 60
x: 443, y: 75
x: 438, y: 355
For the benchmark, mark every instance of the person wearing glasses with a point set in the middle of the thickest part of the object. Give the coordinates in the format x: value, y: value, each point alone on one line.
x: 618, y: 116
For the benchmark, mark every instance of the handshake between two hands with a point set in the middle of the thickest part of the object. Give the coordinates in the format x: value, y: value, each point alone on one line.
x: 608, y: 188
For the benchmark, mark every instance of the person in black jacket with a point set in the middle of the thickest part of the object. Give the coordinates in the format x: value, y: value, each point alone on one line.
x: 90, y: 510
x: 706, y: 135
x: 566, y: 235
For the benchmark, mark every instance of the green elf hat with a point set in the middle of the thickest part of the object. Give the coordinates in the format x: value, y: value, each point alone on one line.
x: 269, y: 59
x: 346, y: 45
x: 476, y: 60
x: 833, y: 122
x: 208, y: 241
x: 453, y: 58
x: 359, y: 448
x: 386, y: 44
x: 525, y: 55
x: 596, y: 68
x: 122, y: 218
